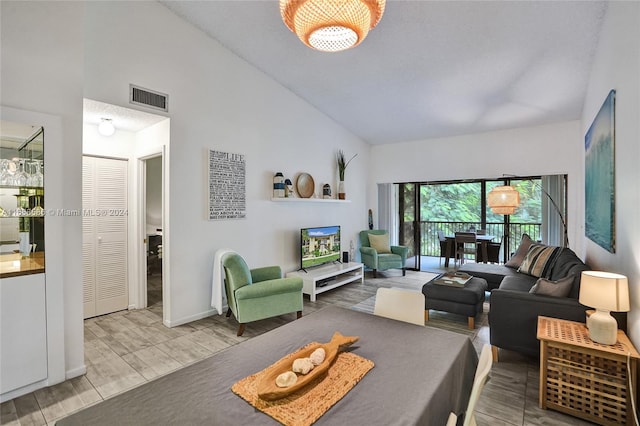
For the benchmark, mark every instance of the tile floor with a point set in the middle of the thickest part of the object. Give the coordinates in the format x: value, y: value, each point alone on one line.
x: 126, y: 349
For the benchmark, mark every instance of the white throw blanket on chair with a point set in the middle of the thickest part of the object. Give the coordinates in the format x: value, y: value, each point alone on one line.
x: 218, y: 293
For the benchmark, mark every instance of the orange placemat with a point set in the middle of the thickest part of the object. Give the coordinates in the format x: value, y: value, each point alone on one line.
x: 304, y: 407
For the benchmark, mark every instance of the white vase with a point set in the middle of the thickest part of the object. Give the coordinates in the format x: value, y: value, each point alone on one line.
x: 341, y: 194
x: 25, y: 247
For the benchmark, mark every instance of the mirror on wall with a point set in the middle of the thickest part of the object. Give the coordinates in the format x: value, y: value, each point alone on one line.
x: 21, y: 188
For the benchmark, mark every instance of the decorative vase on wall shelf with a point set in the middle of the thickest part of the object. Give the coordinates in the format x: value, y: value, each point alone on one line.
x: 341, y: 194
x: 278, y: 185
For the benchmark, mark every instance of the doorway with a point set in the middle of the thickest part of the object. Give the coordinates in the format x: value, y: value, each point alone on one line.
x: 136, y: 136
x: 152, y: 215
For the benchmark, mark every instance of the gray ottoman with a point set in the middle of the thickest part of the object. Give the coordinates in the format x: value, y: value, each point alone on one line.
x: 467, y: 300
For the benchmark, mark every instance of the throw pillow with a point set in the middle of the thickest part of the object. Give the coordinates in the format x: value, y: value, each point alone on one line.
x: 560, y: 288
x: 539, y: 260
x: 380, y: 243
x: 517, y: 258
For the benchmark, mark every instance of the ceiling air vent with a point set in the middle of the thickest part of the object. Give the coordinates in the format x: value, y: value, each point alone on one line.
x: 148, y: 98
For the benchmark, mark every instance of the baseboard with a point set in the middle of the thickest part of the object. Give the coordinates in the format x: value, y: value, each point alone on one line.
x: 191, y: 318
x: 75, y: 372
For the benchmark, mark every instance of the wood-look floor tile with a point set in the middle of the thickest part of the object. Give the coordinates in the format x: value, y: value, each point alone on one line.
x: 108, y: 372
x: 85, y: 390
x: 202, y: 323
x: 28, y: 411
x: 486, y: 420
x: 210, y: 340
x: 92, y: 326
x: 114, y: 324
x: 184, y: 350
x: 8, y: 414
x: 151, y: 362
x: 114, y: 344
x: 508, y: 377
x: 141, y: 317
x: 505, y: 406
x: 59, y: 400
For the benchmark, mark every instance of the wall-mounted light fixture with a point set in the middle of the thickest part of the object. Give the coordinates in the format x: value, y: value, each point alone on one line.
x: 106, y: 127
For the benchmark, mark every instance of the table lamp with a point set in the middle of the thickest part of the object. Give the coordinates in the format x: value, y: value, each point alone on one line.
x: 606, y: 292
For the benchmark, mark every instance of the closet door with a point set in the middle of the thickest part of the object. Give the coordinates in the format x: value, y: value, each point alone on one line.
x: 104, y: 239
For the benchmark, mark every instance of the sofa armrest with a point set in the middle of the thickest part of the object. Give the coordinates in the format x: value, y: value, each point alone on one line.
x: 266, y: 273
x: 513, y: 318
x: 369, y: 257
x: 402, y: 251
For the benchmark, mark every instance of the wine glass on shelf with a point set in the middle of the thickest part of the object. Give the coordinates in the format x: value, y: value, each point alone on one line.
x: 7, y: 171
x: 36, y: 178
x: 20, y: 178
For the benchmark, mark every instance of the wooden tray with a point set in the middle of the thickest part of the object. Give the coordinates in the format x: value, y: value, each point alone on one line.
x: 267, y: 388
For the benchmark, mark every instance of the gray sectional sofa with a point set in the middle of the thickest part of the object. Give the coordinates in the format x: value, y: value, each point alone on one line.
x: 514, y: 311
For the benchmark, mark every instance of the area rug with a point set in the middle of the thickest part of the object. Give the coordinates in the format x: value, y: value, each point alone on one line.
x: 437, y: 319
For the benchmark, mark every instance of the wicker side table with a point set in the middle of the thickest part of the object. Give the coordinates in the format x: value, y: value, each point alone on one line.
x: 583, y: 378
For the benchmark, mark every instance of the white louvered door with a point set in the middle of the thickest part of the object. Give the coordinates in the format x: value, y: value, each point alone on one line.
x: 104, y: 235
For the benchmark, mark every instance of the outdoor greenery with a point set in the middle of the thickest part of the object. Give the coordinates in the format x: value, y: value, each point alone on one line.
x: 456, y: 206
x: 461, y: 202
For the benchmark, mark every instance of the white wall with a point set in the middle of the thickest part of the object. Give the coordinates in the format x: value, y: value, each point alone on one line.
x: 42, y: 71
x: 217, y: 101
x: 617, y: 66
x: 543, y: 150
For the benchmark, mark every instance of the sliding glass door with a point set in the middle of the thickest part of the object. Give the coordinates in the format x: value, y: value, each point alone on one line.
x: 428, y: 209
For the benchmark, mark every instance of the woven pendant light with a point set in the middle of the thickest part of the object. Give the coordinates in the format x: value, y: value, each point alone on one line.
x: 503, y: 199
x: 331, y: 25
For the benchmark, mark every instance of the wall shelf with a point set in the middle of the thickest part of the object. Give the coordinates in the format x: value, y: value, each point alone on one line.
x: 309, y: 200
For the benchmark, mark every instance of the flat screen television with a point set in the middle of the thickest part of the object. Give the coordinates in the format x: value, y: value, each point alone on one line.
x: 319, y: 246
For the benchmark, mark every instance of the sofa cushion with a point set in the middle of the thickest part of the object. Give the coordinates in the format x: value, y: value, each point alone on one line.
x: 519, y: 282
x: 568, y: 263
x: 559, y: 288
x: 380, y: 243
x: 493, y: 274
x: 521, y: 252
x: 539, y: 260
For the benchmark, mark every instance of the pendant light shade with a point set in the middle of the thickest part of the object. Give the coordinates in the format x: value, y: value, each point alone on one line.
x: 503, y: 199
x: 331, y: 25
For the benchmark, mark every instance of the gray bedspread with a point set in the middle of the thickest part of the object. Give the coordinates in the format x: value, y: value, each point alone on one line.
x: 420, y: 375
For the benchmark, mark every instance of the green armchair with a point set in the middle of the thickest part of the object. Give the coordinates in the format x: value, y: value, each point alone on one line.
x: 255, y: 294
x: 377, y: 254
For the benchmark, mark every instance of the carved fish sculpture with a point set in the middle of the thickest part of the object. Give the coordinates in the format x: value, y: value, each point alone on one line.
x: 267, y: 388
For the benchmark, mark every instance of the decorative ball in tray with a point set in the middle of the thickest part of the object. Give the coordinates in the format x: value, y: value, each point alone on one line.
x: 269, y: 390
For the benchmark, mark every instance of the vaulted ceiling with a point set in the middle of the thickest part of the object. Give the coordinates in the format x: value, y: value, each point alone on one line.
x: 430, y: 68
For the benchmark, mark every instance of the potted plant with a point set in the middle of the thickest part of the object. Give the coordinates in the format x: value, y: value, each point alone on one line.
x: 342, y: 166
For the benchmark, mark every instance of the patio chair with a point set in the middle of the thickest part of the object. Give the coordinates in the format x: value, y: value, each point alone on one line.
x: 443, y: 246
x: 466, y: 243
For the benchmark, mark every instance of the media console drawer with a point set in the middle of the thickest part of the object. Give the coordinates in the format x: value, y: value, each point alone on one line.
x: 327, y: 277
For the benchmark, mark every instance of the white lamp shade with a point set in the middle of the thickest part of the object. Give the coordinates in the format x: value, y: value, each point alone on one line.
x: 605, y: 291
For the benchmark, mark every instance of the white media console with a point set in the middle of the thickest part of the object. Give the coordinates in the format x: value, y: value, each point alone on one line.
x: 324, y: 278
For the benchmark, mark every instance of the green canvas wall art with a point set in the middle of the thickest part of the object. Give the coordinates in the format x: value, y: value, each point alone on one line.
x: 600, y: 176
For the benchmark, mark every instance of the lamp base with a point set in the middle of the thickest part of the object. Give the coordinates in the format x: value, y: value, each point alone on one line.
x: 603, y: 328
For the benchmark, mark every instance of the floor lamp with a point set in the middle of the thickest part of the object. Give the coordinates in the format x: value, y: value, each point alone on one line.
x: 506, y: 199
